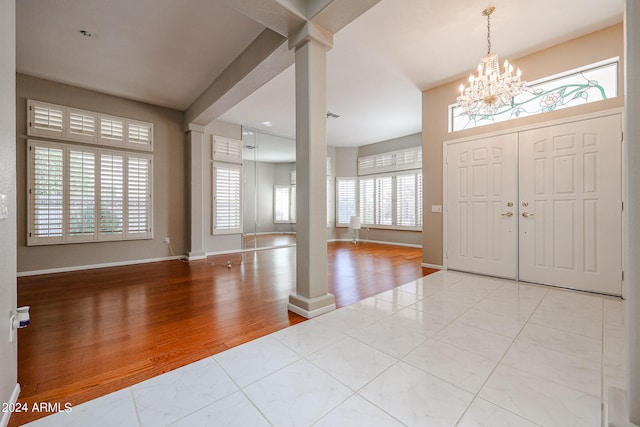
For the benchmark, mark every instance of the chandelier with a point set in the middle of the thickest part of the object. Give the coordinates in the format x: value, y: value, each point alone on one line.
x: 490, y: 90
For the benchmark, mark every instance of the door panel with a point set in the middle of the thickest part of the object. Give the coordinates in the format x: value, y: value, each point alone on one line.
x: 481, y: 181
x: 570, y: 231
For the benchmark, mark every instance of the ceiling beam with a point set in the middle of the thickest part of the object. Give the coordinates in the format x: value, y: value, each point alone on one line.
x: 268, y: 55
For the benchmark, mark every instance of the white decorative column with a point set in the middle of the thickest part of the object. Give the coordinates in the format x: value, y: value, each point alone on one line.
x: 311, y: 297
x: 197, y: 152
x: 624, y: 408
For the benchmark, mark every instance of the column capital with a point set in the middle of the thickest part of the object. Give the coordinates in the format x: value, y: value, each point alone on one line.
x: 311, y: 31
x: 192, y: 127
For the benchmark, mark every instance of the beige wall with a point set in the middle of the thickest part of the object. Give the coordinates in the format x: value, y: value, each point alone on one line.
x: 169, y: 187
x: 597, y: 46
x: 8, y: 350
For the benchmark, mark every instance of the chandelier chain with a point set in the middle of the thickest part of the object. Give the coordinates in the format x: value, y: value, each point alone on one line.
x: 488, y: 33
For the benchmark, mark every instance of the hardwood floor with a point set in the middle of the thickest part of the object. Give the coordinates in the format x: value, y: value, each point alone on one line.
x: 96, y: 331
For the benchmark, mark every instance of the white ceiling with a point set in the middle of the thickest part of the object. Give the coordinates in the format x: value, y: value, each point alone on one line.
x: 166, y: 52
x: 163, y: 52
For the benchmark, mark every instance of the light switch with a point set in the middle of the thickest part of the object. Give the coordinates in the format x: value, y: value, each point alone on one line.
x: 4, y: 207
x: 436, y: 208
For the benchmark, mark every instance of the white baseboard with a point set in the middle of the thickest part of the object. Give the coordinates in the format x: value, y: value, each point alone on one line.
x: 4, y: 422
x: 437, y: 267
x: 92, y: 266
x: 378, y: 242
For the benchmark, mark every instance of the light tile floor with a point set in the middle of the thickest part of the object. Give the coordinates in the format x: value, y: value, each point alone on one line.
x: 450, y: 349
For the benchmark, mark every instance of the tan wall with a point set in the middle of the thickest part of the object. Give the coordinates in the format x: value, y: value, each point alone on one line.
x: 594, y: 47
x: 169, y: 188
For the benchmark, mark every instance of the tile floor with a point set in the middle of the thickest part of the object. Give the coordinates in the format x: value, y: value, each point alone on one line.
x: 450, y: 349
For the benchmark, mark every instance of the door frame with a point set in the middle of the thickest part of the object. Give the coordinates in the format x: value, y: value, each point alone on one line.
x: 517, y: 129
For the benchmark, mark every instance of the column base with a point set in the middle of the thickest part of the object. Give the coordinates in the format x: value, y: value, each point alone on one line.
x: 617, y: 413
x: 192, y: 256
x: 309, y: 308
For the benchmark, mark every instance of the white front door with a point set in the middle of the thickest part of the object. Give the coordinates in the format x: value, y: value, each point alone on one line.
x: 570, y: 202
x: 482, y: 206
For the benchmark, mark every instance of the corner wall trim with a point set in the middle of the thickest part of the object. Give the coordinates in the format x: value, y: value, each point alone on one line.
x: 437, y: 267
x: 4, y: 422
x: 92, y: 266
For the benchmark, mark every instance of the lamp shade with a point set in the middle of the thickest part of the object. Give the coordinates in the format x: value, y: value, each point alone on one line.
x: 354, y: 223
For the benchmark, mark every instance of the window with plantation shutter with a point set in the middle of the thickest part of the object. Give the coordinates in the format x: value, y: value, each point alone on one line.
x: 419, y: 198
x: 406, y: 200
x: 111, y: 130
x: 366, y: 165
x: 409, y: 158
x: 138, y: 195
x: 392, y: 201
x: 384, y: 200
x: 227, y: 207
x: 72, y: 124
x: 281, y: 203
x: 227, y: 149
x: 330, y: 196
x: 345, y: 200
x: 80, y: 194
x: 81, y: 190
x: 367, y: 199
x: 111, y: 195
x: 46, y: 196
x: 139, y: 135
x: 293, y: 204
x: 45, y: 119
x: 82, y: 125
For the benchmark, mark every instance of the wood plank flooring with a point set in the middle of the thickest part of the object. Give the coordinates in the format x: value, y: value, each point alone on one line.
x: 93, y: 332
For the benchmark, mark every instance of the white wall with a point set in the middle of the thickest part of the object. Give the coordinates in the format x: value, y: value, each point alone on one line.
x: 8, y: 233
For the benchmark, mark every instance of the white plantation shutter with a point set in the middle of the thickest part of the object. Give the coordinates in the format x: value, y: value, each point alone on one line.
x: 419, y: 200
x: 284, y: 203
x: 227, y: 149
x: 367, y: 201
x: 345, y: 200
x: 45, y: 119
x: 384, y: 162
x: 293, y: 204
x: 366, y: 165
x: 138, y: 195
x: 66, y: 123
x: 111, y: 195
x: 281, y: 203
x: 227, y: 209
x: 406, y: 200
x: 82, y: 125
x: 111, y: 130
x: 81, y: 191
x: 139, y: 135
x: 384, y: 200
x: 46, y: 193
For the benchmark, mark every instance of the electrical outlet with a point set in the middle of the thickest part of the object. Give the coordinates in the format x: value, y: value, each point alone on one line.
x: 167, y: 240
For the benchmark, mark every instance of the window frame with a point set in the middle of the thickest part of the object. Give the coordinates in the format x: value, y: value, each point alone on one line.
x: 371, y: 209
x: 66, y: 237
x: 291, y: 201
x: 215, y: 229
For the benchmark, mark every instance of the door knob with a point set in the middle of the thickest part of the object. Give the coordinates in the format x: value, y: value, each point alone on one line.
x: 526, y: 214
x: 509, y: 214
